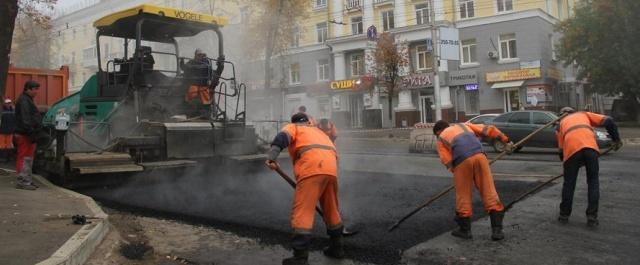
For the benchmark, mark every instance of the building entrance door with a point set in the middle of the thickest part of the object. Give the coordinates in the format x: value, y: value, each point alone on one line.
x: 426, y: 112
x: 512, y: 99
x: 356, y: 106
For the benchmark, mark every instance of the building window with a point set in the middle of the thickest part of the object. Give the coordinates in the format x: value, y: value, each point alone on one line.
x: 469, y: 51
x: 294, y: 74
x: 422, y: 14
x: 508, y: 46
x: 560, y: 10
x: 295, y: 39
x: 323, y: 70
x: 387, y: 20
x: 321, y: 30
x: 554, y: 52
x: 357, y: 65
x: 356, y: 25
x: 466, y: 9
x: 504, y: 5
x: 320, y: 3
x: 472, y: 100
x: 423, y: 58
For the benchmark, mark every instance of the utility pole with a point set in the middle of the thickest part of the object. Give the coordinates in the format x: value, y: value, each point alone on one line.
x: 435, y: 44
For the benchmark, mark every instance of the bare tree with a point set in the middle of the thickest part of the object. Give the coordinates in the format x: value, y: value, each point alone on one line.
x: 9, y: 10
x: 32, y: 43
x: 389, y: 61
x: 272, y: 29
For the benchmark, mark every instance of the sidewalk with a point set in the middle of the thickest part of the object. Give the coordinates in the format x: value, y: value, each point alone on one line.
x: 34, y: 233
x: 533, y: 236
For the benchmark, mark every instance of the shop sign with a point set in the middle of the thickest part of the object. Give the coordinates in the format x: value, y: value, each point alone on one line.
x: 460, y: 78
x: 511, y: 75
x: 344, y: 84
x: 471, y: 87
x: 530, y: 64
x: 554, y: 73
x: 417, y: 80
x: 537, y: 95
x: 449, y: 44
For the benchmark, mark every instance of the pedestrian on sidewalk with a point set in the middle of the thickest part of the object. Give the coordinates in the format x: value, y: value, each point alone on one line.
x: 28, y: 129
x: 303, y: 109
x: 461, y: 152
x: 578, y: 147
x: 315, y: 166
x: 7, y: 126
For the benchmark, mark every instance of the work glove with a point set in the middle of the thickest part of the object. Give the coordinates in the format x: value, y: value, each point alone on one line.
x: 272, y: 164
x: 509, y: 148
x: 616, y: 145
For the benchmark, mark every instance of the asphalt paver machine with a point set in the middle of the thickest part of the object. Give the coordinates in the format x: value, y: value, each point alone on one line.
x: 132, y: 117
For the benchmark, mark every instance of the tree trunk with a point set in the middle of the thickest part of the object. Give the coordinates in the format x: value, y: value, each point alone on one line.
x: 271, y: 38
x: 267, y: 60
x: 8, y: 13
x: 390, y: 100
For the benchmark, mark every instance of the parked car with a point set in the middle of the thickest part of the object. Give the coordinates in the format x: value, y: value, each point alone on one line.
x: 518, y: 124
x: 482, y: 118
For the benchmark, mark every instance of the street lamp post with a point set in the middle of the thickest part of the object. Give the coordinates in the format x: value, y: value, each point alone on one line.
x: 435, y: 45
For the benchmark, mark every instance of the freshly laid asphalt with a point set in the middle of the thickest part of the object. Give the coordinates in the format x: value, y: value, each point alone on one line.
x: 257, y: 204
x: 534, y: 236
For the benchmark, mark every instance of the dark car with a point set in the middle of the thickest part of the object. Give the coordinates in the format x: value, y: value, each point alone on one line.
x: 518, y: 124
x: 482, y: 118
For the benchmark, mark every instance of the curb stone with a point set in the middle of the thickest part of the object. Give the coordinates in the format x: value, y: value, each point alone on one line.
x: 79, y: 247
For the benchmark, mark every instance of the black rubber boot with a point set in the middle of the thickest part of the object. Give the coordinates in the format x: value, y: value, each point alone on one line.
x: 496, y: 225
x: 300, y: 257
x: 563, y: 218
x: 300, y: 244
x: 592, y: 221
x: 464, y: 228
x: 336, y: 246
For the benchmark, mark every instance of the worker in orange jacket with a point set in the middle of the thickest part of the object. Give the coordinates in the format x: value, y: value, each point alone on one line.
x: 578, y: 146
x: 461, y: 152
x: 315, y: 166
x: 329, y: 129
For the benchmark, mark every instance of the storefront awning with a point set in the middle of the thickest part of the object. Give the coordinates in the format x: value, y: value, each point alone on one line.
x: 508, y: 84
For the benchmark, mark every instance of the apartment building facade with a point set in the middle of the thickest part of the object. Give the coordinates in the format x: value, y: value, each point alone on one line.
x: 507, y: 60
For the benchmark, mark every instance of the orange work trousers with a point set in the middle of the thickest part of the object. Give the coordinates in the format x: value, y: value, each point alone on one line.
x: 310, y: 191
x: 475, y: 170
x: 200, y: 92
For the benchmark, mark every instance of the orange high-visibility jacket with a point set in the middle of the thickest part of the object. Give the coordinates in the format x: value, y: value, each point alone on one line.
x: 330, y: 130
x: 576, y: 132
x: 311, y: 151
x: 460, y: 141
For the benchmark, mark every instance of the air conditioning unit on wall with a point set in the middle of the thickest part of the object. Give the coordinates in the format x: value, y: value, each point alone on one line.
x: 492, y: 54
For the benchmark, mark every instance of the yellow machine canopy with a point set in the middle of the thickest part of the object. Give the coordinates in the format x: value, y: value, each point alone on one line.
x: 158, y: 23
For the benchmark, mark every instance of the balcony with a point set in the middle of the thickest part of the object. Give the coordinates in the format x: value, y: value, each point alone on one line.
x: 379, y: 3
x: 353, y: 5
